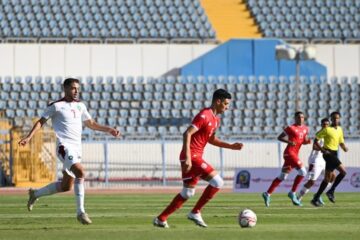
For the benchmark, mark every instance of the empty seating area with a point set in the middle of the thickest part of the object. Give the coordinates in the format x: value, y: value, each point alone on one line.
x: 104, y: 19
x: 154, y: 107
x: 308, y: 19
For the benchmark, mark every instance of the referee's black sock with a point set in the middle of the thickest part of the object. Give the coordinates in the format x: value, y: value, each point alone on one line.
x: 338, y: 179
x: 322, y: 187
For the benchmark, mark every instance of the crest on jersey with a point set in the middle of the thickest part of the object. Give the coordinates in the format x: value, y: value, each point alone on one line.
x: 79, y: 107
x: 209, y: 124
x: 70, y: 157
x: 204, y: 165
x: 202, y: 116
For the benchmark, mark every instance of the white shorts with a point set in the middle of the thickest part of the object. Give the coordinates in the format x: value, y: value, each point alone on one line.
x: 68, y: 155
x: 316, y: 167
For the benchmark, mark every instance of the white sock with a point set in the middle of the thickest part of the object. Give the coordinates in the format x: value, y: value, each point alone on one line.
x: 303, y: 191
x: 79, y: 195
x: 48, y: 189
x: 328, y: 187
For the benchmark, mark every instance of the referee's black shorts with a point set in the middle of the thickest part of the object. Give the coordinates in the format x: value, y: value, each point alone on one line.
x: 332, y: 160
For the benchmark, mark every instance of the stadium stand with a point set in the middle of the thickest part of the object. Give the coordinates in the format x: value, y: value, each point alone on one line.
x: 121, y: 20
x: 158, y: 108
x: 317, y: 21
x: 142, y: 109
x: 167, y: 20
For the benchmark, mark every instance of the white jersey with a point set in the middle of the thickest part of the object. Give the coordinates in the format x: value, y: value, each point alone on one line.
x: 314, y: 155
x: 67, y: 119
x: 316, y: 163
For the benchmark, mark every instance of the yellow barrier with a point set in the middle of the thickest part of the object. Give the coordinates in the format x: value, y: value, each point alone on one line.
x: 5, y: 148
x: 33, y: 165
x: 230, y: 19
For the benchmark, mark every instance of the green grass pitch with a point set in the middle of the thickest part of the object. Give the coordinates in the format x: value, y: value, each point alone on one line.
x: 129, y: 216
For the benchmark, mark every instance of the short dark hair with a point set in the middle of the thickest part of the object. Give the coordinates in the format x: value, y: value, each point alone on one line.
x: 335, y: 113
x: 69, y: 81
x: 324, y: 120
x: 221, y: 94
x: 298, y: 113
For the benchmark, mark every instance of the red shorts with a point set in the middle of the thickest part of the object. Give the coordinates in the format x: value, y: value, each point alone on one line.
x: 199, y: 169
x: 292, y: 161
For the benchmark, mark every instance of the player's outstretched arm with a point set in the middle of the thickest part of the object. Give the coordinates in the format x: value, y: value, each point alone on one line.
x: 344, y: 147
x: 283, y: 138
x: 186, y: 147
x: 37, y: 126
x: 307, y: 141
x: 317, y: 144
x: 219, y: 143
x: 315, y: 147
x: 98, y: 127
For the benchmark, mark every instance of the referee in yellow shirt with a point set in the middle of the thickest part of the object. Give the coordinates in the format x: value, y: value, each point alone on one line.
x: 333, y: 138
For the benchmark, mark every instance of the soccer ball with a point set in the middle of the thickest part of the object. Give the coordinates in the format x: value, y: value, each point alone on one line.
x: 247, y: 218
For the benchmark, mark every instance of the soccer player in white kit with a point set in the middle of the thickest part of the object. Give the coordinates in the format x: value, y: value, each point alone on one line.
x: 67, y: 115
x: 316, y: 165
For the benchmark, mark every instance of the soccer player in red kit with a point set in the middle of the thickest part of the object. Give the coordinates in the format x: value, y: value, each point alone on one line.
x: 296, y: 136
x: 193, y: 166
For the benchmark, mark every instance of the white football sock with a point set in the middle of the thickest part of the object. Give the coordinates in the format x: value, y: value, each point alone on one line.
x: 48, y: 189
x: 303, y: 191
x: 79, y: 195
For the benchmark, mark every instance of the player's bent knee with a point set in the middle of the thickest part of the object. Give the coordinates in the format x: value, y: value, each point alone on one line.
x: 302, y: 171
x: 187, y: 192
x: 282, y: 176
x: 343, y: 173
x: 79, y: 173
x: 216, y: 181
x: 328, y: 179
x: 66, y: 188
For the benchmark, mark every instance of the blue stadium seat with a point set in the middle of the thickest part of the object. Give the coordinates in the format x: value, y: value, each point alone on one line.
x: 267, y: 104
x: 303, y: 18
x: 259, y: 113
x: 58, y: 19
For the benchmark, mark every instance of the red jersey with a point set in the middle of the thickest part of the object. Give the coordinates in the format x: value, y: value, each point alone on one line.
x: 296, y: 134
x: 206, y: 122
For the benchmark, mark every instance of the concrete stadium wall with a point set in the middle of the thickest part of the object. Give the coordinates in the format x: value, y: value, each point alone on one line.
x: 254, y: 154
x: 138, y: 161
x: 341, y: 60
x: 255, y: 57
x: 136, y: 60
x: 96, y: 59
